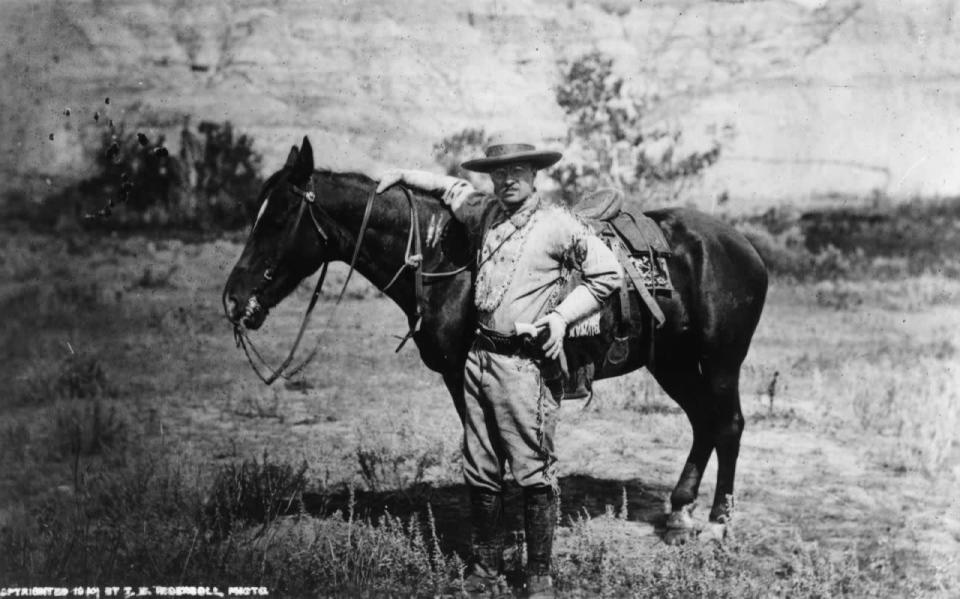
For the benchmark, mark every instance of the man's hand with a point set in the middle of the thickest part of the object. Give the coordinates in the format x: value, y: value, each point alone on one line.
x: 390, y: 178
x: 558, y: 330
x: 424, y: 180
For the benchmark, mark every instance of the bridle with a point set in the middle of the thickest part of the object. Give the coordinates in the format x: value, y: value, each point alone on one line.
x: 413, y: 259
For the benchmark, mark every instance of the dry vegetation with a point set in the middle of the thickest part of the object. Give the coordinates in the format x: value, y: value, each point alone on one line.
x: 137, y: 448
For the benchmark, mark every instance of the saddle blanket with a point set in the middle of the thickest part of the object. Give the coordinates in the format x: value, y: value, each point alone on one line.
x: 654, y: 273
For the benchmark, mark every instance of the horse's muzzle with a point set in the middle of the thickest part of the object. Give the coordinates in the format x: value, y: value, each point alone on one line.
x: 253, y: 314
x: 249, y: 316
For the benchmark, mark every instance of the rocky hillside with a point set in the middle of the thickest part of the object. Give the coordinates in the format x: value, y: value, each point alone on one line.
x: 813, y: 98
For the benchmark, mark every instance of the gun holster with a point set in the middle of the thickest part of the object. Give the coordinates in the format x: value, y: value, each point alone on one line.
x: 551, y: 369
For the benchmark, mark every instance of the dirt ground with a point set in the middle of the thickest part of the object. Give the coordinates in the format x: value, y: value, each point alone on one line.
x: 854, y: 444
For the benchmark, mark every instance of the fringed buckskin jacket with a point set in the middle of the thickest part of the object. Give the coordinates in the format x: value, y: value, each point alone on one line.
x: 526, y: 259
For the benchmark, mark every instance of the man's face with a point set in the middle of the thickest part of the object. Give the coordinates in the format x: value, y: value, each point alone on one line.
x: 513, y: 183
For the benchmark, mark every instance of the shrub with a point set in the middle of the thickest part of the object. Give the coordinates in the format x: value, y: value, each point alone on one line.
x: 227, y: 172
x: 388, y: 557
x: 211, y: 185
x: 81, y: 377
x: 921, y: 234
x: 913, y: 228
x: 253, y: 492
x: 82, y: 428
x: 76, y: 376
x: 915, y: 238
x: 399, y: 460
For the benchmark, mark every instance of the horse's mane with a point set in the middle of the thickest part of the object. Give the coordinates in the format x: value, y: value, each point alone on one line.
x: 428, y: 204
x: 362, y: 181
x: 352, y: 177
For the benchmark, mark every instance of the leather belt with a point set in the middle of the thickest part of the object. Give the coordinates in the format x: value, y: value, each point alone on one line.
x: 498, y: 343
x: 525, y: 347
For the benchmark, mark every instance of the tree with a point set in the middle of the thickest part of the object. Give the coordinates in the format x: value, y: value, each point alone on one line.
x: 612, y: 141
x: 455, y: 149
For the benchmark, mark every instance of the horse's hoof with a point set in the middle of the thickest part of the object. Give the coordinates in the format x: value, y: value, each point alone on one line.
x: 679, y: 536
x: 714, y: 531
x: 680, y: 526
x: 682, y: 518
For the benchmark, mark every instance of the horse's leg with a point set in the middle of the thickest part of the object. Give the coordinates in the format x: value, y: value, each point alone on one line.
x: 687, y: 386
x: 454, y: 382
x: 709, y: 395
x: 727, y: 425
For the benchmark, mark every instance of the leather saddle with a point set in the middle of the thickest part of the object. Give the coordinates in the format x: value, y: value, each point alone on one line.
x: 643, y: 253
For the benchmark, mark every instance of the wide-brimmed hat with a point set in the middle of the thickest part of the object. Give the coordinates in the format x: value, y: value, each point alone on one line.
x: 501, y: 153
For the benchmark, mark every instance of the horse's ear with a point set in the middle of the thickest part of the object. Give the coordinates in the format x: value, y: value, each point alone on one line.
x: 303, y: 167
x: 306, y: 154
x: 292, y: 157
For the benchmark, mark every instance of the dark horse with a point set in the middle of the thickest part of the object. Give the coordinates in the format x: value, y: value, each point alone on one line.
x: 312, y: 217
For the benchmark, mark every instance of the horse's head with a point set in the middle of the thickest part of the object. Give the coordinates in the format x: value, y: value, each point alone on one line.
x: 286, y: 244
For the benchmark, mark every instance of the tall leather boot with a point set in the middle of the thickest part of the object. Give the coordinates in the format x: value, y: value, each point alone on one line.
x: 484, y: 577
x: 540, y: 518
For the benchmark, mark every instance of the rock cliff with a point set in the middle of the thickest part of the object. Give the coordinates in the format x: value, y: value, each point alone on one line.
x: 814, y: 98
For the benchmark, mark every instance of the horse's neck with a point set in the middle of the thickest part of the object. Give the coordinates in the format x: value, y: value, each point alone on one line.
x: 384, y: 243
x: 383, y: 252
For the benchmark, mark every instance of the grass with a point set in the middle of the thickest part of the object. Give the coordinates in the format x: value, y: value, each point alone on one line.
x: 912, y: 293
x: 593, y: 563
x: 130, y: 421
x: 402, y: 458
x: 917, y: 411
x: 149, y: 515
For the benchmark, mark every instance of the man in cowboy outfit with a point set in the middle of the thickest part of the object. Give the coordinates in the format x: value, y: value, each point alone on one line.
x: 528, y: 250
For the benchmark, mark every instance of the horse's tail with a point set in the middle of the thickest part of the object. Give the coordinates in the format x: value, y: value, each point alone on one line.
x: 762, y: 243
x: 776, y: 258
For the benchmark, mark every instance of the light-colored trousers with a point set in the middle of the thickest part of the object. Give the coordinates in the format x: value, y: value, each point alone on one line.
x: 511, y: 418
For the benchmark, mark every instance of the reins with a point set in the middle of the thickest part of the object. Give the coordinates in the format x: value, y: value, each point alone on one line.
x: 413, y: 256
x: 413, y: 259
x: 244, y: 341
x: 308, y: 204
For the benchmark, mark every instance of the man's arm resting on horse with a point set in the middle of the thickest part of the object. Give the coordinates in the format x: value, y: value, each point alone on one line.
x: 424, y: 180
x: 454, y: 192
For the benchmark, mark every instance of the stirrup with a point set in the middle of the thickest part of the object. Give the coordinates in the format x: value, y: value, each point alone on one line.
x: 619, y: 350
